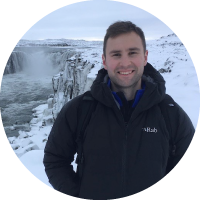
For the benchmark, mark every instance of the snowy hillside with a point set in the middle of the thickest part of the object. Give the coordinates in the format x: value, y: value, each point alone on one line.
x: 168, y: 55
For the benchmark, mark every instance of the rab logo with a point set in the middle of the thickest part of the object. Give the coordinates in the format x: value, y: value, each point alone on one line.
x: 150, y: 130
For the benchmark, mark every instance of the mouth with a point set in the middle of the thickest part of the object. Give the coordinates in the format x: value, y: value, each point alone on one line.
x: 125, y: 73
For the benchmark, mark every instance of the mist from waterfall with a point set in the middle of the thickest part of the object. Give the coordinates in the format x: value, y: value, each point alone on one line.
x: 39, y: 65
x: 33, y: 61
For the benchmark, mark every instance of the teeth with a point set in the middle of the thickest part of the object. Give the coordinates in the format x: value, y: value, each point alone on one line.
x: 125, y: 73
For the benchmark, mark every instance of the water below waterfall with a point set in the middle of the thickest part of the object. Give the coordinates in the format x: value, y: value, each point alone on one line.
x: 20, y: 93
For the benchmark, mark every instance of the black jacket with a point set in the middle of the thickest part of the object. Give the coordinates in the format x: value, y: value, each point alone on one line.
x: 120, y: 159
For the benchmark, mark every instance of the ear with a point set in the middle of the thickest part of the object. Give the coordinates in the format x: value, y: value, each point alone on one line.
x: 104, y: 61
x: 145, y: 57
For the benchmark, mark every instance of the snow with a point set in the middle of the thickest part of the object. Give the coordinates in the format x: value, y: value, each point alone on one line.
x: 167, y: 53
x: 31, y: 177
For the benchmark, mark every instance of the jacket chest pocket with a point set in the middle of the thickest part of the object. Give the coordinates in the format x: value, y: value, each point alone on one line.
x: 150, y: 146
x: 152, y: 139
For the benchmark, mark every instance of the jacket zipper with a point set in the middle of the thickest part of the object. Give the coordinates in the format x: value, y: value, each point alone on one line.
x: 124, y: 158
x: 124, y: 155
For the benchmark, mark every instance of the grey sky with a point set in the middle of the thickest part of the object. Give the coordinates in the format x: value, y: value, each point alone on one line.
x: 89, y: 20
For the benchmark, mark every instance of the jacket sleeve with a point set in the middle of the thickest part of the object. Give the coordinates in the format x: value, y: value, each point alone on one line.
x: 184, y: 175
x: 60, y: 150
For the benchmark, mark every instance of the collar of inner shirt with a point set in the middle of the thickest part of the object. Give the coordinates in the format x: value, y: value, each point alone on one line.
x: 138, y: 94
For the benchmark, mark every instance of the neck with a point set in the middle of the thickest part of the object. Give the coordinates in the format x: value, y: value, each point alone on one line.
x: 129, y: 92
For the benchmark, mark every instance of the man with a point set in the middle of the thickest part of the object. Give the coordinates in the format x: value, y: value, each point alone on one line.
x: 129, y: 138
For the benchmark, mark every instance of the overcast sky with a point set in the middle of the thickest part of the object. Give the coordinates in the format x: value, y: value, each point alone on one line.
x: 89, y: 20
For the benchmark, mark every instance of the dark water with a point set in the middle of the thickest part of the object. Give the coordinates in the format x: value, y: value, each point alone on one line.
x: 20, y: 93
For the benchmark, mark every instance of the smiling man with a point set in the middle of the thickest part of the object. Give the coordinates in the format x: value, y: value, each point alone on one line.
x: 134, y: 133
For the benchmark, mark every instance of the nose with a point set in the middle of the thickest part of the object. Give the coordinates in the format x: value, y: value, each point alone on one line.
x: 125, y: 61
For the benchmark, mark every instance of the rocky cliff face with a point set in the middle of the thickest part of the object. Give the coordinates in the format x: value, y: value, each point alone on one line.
x: 69, y: 83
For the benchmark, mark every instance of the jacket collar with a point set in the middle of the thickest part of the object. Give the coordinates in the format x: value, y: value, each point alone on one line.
x: 153, y: 94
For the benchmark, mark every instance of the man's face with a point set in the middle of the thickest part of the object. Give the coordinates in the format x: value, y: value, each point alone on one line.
x: 125, y: 60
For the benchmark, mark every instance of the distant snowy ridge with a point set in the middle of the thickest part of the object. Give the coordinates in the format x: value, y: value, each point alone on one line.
x: 171, y: 38
x: 186, y: 39
x: 57, y: 43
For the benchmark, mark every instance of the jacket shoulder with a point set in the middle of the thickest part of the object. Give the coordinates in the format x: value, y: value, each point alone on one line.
x: 167, y: 100
x: 176, y: 109
x: 181, y: 125
x: 73, y: 103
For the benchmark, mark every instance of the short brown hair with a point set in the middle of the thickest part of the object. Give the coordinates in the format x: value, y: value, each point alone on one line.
x: 121, y: 27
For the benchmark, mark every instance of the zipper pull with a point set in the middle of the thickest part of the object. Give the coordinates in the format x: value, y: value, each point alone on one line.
x: 82, y: 159
x: 126, y: 124
x: 173, y: 150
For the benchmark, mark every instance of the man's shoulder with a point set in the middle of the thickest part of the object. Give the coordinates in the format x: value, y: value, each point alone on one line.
x: 173, y: 108
x: 167, y: 99
x: 76, y: 101
x: 69, y: 109
x: 73, y: 103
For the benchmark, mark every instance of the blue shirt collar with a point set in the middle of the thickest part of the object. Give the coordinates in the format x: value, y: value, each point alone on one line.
x: 138, y: 94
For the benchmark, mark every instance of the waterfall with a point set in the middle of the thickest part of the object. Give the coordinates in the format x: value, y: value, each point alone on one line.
x: 16, y: 62
x: 40, y: 61
x: 70, y: 68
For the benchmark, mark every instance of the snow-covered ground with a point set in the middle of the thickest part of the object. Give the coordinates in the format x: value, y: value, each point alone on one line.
x: 167, y: 53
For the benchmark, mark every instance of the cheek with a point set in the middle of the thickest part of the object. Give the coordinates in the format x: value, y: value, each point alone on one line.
x: 140, y: 61
x: 111, y: 65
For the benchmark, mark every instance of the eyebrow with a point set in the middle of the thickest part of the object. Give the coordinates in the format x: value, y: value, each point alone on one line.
x: 130, y: 49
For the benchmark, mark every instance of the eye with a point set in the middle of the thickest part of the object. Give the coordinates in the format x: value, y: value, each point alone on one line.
x: 132, y: 53
x: 116, y: 55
